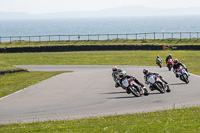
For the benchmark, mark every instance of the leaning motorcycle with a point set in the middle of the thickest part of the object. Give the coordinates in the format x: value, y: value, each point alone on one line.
x: 169, y: 64
x: 159, y: 62
x: 157, y: 84
x: 130, y: 86
x: 183, y: 74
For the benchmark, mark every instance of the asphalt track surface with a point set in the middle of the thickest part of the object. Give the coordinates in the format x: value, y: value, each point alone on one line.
x: 89, y: 92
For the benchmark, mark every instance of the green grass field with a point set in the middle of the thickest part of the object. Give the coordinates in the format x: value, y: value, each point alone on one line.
x: 140, y: 58
x: 186, y: 120
x: 176, y: 120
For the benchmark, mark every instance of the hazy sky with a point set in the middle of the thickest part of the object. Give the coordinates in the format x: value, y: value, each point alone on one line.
x: 46, y: 6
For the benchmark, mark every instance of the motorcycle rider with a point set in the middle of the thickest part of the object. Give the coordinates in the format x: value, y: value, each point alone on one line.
x: 119, y: 74
x: 147, y: 73
x: 123, y: 75
x: 158, y: 58
x: 115, y: 75
x: 177, y: 65
x: 168, y: 57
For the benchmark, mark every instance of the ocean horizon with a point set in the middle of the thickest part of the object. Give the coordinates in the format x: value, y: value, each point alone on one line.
x: 84, y: 26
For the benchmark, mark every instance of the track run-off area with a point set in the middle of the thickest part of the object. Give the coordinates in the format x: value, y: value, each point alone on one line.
x: 89, y: 91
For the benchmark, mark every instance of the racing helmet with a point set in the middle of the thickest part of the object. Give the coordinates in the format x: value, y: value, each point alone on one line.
x: 114, y: 68
x: 170, y: 55
x: 145, y: 71
x: 158, y: 56
x: 122, y: 74
x: 176, y: 61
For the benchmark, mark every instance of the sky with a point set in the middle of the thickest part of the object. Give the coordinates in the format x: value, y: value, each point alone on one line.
x: 49, y: 6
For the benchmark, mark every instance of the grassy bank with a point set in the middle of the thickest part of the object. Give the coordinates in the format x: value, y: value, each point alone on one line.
x: 10, y: 83
x: 168, y: 42
x: 186, y: 120
x: 141, y: 58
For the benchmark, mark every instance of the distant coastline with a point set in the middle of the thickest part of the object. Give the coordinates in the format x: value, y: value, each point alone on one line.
x: 124, y: 11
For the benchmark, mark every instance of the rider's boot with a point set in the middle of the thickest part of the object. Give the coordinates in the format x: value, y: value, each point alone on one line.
x: 168, y: 89
x: 127, y: 91
x: 117, y: 85
x: 146, y: 93
x: 151, y: 88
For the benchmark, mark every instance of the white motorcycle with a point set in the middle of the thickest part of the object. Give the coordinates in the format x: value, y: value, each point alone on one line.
x: 157, y: 84
x: 183, y: 74
x: 129, y: 85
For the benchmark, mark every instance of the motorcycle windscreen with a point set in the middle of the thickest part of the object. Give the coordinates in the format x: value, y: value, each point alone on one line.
x: 125, y: 82
x: 151, y: 79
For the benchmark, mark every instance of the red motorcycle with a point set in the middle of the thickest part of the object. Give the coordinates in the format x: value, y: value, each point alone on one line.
x: 169, y: 64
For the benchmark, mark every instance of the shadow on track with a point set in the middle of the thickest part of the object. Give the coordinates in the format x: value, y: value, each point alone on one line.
x: 155, y: 93
x: 178, y: 84
x: 123, y: 97
x: 114, y: 92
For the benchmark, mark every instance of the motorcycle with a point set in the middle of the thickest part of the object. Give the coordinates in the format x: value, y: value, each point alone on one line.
x: 183, y: 74
x: 157, y: 84
x: 130, y: 86
x: 159, y: 62
x: 169, y: 64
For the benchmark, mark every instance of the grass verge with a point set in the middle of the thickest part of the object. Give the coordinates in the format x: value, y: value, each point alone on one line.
x: 10, y: 83
x: 186, y: 120
x: 140, y: 58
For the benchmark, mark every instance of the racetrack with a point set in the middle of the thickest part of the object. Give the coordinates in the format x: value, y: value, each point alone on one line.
x: 89, y: 91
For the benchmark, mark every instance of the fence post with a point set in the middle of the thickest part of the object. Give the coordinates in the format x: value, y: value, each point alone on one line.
x: 29, y: 39
x: 136, y: 36
x: 20, y: 39
x: 69, y: 38
x: 10, y: 39
x: 0, y: 40
x: 78, y: 37
x: 108, y: 36
x: 39, y: 38
x: 126, y: 36
x: 88, y: 37
x: 190, y: 35
x: 163, y: 35
x: 145, y: 36
x: 98, y: 37
x: 154, y: 35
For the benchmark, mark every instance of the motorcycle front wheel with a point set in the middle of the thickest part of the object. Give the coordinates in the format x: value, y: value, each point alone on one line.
x: 159, y: 87
x: 185, y: 78
x: 134, y: 91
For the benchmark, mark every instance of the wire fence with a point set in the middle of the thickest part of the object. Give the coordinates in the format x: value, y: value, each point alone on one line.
x: 134, y: 36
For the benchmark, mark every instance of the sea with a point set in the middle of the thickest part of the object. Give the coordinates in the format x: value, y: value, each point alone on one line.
x: 92, y: 26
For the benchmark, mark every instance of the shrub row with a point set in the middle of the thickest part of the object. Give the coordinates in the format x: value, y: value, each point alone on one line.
x: 79, y: 48
x: 94, y: 48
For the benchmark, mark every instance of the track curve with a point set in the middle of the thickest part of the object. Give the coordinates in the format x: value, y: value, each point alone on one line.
x: 89, y: 91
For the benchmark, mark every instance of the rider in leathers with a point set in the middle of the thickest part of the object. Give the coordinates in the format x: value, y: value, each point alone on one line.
x: 168, y: 57
x: 119, y: 74
x: 147, y: 74
x: 124, y: 75
x: 177, y: 65
x: 115, y: 75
